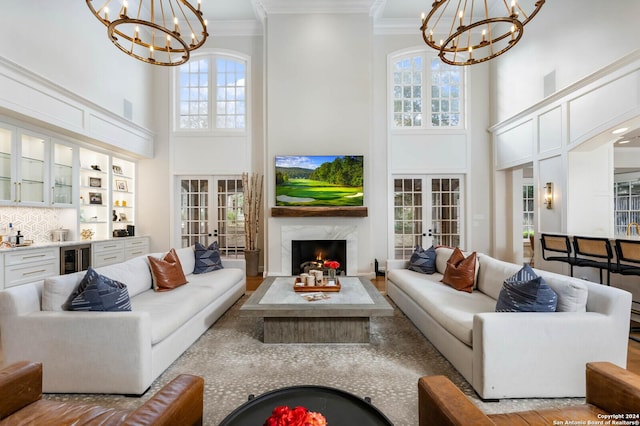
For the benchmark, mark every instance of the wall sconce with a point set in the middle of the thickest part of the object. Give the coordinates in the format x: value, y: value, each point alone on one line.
x: 548, y: 195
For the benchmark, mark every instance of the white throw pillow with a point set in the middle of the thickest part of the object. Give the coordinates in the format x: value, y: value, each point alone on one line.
x: 56, y: 290
x: 572, y: 297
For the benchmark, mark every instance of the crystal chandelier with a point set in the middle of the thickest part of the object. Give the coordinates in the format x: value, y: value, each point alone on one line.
x: 464, y: 33
x: 159, y: 32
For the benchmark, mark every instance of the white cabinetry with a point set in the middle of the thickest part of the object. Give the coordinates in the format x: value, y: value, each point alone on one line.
x: 25, y: 266
x: 118, y: 250
x: 134, y: 247
x: 24, y: 157
x: 107, y: 252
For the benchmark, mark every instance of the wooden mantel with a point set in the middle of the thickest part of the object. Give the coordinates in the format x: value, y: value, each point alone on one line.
x: 319, y: 212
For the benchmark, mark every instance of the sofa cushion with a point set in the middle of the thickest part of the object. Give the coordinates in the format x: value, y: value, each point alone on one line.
x: 207, y: 259
x: 526, y: 292
x: 134, y: 273
x: 453, y: 310
x: 572, y: 293
x: 492, y: 274
x: 167, y: 272
x: 423, y: 261
x: 460, y: 271
x: 187, y: 259
x: 184, y: 302
x: 56, y: 290
x: 98, y: 293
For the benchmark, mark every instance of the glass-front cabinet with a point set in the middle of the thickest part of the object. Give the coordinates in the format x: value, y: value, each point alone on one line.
x: 7, y: 137
x: 24, y: 157
x: 30, y: 184
x: 62, y: 175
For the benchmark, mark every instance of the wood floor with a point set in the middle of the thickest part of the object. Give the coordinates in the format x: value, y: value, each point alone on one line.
x: 633, y: 358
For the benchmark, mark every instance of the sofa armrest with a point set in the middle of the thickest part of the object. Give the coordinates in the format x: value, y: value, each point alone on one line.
x: 75, y: 346
x: 235, y: 263
x: 441, y: 403
x: 181, y: 401
x: 20, y: 385
x: 396, y: 264
x: 504, y: 341
x: 612, y: 388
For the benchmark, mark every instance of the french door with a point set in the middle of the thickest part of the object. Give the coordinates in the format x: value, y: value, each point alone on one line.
x: 427, y: 209
x: 211, y: 210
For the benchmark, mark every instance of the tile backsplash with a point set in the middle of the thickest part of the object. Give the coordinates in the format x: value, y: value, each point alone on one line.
x: 35, y: 223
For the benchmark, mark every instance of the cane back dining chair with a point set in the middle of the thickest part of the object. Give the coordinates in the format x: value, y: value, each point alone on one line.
x: 557, y: 244
x: 588, y: 251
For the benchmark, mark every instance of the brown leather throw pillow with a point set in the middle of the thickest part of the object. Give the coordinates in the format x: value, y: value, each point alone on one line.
x: 460, y: 272
x: 167, y: 272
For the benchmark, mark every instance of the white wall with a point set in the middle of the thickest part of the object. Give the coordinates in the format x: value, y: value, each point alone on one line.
x: 574, y: 38
x: 63, y: 42
x: 319, y: 102
x: 590, y: 189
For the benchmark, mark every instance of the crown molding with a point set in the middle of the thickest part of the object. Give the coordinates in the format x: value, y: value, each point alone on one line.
x: 397, y: 26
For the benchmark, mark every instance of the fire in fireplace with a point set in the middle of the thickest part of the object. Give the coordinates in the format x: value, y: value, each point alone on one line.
x: 311, y: 254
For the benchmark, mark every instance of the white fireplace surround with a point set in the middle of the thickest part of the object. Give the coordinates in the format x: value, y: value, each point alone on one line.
x: 320, y: 232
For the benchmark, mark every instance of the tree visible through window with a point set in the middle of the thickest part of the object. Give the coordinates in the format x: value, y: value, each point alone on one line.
x: 442, y: 98
x: 212, y: 93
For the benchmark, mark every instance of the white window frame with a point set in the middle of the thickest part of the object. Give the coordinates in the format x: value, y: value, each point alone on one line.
x: 427, y: 57
x: 212, y: 55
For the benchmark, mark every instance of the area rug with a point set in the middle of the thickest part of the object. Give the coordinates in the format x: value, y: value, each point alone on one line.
x: 235, y: 364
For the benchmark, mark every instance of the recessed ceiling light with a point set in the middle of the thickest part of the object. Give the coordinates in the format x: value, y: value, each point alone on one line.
x: 620, y: 130
x: 622, y: 142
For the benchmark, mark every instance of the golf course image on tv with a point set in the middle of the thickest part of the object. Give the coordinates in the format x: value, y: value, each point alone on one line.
x: 319, y: 181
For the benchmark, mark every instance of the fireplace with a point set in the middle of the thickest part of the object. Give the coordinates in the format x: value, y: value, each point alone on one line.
x: 311, y: 254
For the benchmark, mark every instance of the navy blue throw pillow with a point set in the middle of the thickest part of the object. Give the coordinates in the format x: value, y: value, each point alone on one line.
x: 423, y: 261
x: 207, y: 258
x: 526, y: 292
x: 98, y: 293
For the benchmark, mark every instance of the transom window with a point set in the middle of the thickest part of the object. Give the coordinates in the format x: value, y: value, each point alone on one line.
x: 212, y: 93
x: 426, y: 92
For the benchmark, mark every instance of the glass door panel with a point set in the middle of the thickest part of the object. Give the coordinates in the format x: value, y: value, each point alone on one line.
x: 211, y: 210
x: 32, y: 169
x: 426, y: 210
x: 195, y: 211
x: 62, y: 188
x: 408, y: 217
x: 445, y: 211
x: 6, y: 143
x: 230, y: 215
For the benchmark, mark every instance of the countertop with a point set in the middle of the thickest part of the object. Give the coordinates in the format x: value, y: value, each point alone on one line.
x: 48, y: 244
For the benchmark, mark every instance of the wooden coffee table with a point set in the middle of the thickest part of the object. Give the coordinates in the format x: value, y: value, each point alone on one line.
x: 341, y: 318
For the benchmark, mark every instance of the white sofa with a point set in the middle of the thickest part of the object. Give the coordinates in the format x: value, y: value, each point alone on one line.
x: 513, y: 354
x: 114, y: 352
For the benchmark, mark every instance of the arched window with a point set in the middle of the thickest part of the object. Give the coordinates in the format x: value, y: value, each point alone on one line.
x: 425, y: 92
x: 211, y: 93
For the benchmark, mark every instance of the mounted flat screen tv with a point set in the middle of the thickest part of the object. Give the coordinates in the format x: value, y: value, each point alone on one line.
x: 319, y: 181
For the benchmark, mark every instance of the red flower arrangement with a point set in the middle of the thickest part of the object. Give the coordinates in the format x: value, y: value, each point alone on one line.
x: 333, y: 264
x: 299, y: 416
